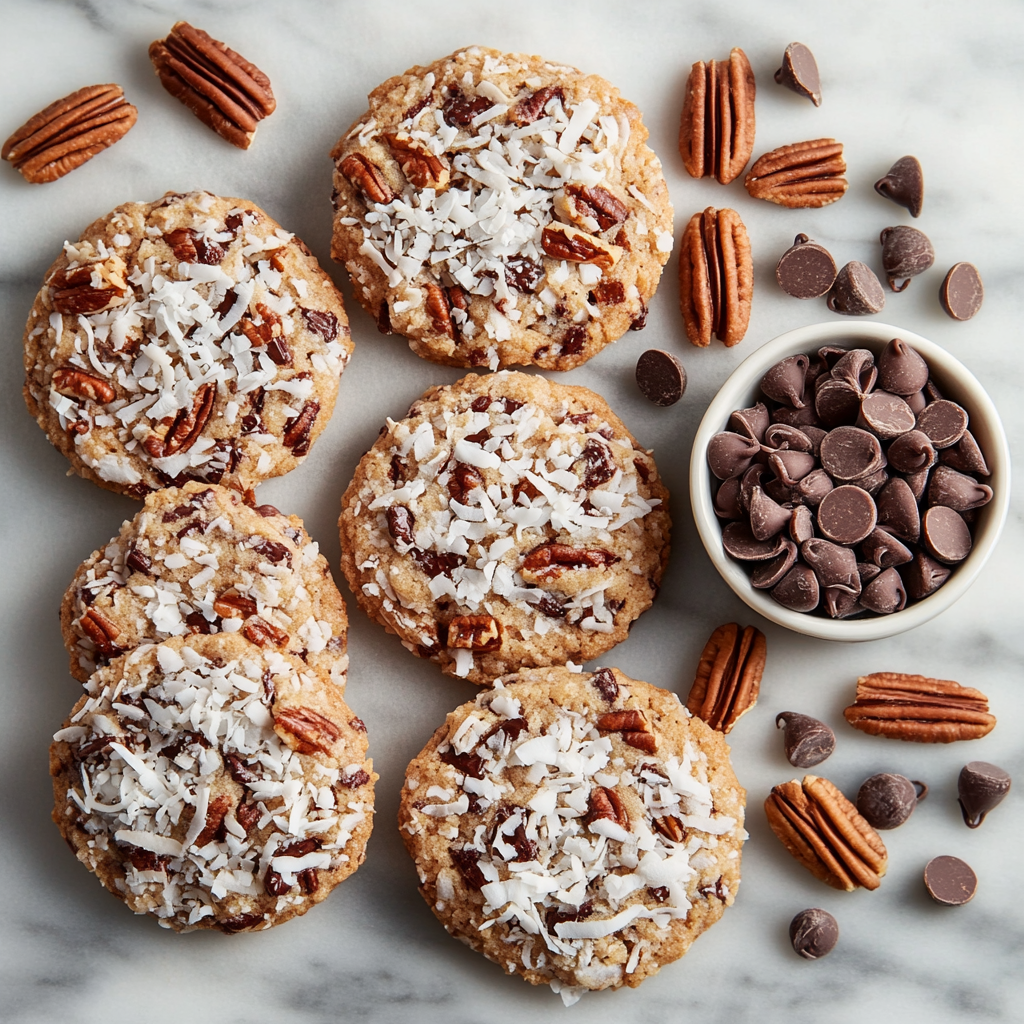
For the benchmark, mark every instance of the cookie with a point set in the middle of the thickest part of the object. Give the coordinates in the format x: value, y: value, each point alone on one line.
x: 197, y: 559
x: 501, y: 210
x: 213, y: 784
x: 506, y: 522
x: 187, y: 339
x: 580, y: 830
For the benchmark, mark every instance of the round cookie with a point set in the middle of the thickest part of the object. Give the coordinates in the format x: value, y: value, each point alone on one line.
x: 197, y: 559
x: 506, y: 522
x: 190, y: 338
x: 501, y: 210
x: 580, y: 830
x: 213, y: 784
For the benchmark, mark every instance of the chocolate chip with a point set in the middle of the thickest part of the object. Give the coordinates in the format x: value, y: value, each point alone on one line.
x: 885, y: 550
x: 924, y: 576
x: 981, y: 787
x: 808, y: 741
x: 741, y: 544
x: 885, y: 415
x: 768, y: 574
x: 784, y: 382
x: 857, y: 368
x: 901, y: 369
x: 753, y: 421
x: 783, y: 437
x: 962, y: 292
x: 965, y: 456
x: 856, y: 291
x: 906, y: 252
x: 798, y: 590
x: 848, y: 453
x: 805, y: 270
x: 661, y: 377
x: 946, y: 534
x: 943, y: 422
x: 730, y: 454
x: 887, y: 800
x: 885, y: 594
x: 813, y: 933
x: 911, y: 452
x: 791, y: 467
x: 847, y: 515
x: 897, y: 510
x: 767, y: 517
x: 956, y: 490
x: 904, y: 184
x: 836, y: 402
x: 801, y: 524
x: 833, y: 564
x: 950, y: 881
x: 799, y: 72
x: 727, y: 499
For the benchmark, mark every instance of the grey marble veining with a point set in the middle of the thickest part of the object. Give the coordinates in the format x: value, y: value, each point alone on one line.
x: 943, y: 81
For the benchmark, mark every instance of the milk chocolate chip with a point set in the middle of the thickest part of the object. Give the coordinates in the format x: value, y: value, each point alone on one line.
x: 887, y: 800
x: 887, y: 416
x: 798, y: 590
x: 962, y: 292
x: 848, y: 453
x: 799, y: 72
x: 901, y: 369
x: 806, y: 270
x: 813, y: 933
x: 950, y: 881
x: 906, y: 252
x: 904, y: 184
x: 943, y: 423
x: 847, y: 515
x: 946, y: 534
x: 856, y: 291
x: 981, y: 787
x: 808, y: 741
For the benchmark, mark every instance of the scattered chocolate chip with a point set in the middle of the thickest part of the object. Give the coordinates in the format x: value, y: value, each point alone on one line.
x: 962, y: 292
x: 950, y: 881
x: 805, y: 270
x: 847, y: 515
x: 814, y: 933
x: 981, y: 788
x: 946, y: 534
x: 906, y: 252
x: 887, y: 800
x: 808, y: 741
x: 856, y: 291
x: 660, y: 377
x: 799, y: 72
x: 904, y: 184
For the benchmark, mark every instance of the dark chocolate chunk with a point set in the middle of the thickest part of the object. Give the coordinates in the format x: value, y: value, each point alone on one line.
x: 805, y: 270
x: 799, y: 72
x: 924, y: 576
x: 798, y: 590
x: 956, y: 490
x: 901, y: 369
x: 784, y: 382
x: 885, y: 594
x: 813, y: 933
x: 906, y: 252
x: 808, y: 741
x: 981, y: 787
x: 846, y: 515
x: 856, y: 291
x: 911, y: 452
x: 962, y: 292
x: 660, y: 377
x: 950, y: 881
x: 897, y: 510
x: 943, y: 422
x: 904, y: 184
x: 848, y: 453
x: 885, y: 415
x: 946, y: 534
x: 887, y: 800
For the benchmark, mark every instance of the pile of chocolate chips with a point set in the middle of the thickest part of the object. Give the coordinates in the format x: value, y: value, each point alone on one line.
x: 852, y: 488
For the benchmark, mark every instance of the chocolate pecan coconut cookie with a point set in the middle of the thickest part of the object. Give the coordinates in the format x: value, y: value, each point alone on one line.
x: 191, y: 338
x: 197, y: 559
x: 580, y: 830
x: 213, y: 784
x: 499, y: 210
x: 507, y: 521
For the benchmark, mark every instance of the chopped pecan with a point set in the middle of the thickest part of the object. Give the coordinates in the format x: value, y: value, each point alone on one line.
x: 189, y: 423
x: 305, y: 730
x: 137, y: 561
x: 368, y: 178
x: 247, y: 815
x: 79, y: 384
x: 353, y: 780
x: 439, y: 310
x: 91, y: 287
x: 728, y: 676
x: 214, y: 827
x: 551, y: 560
x: 265, y: 331
x: 224, y: 90
x: 271, y: 550
x: 422, y: 168
x: 69, y: 132
x: 912, y: 707
x: 190, y: 246
x: 562, y: 242
x: 608, y: 293
x: 231, y: 605
x: 263, y: 633
x: 297, y: 430
x: 634, y: 727
x: 670, y: 827
x: 435, y: 564
x: 475, y: 632
x: 605, y: 803
x: 824, y: 832
x: 806, y: 174
x: 531, y: 108
x: 100, y: 630
x: 239, y: 770
x: 462, y: 480
x: 592, y: 207
x: 239, y: 923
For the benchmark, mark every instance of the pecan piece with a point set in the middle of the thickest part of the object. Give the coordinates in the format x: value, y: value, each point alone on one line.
x: 551, y: 560
x: 79, y: 384
x: 475, y: 632
x: 591, y: 207
x: 224, y: 90
x: 231, y: 605
x: 421, y: 167
x: 297, y: 430
x: 634, y: 727
x: 605, y: 803
x: 824, y: 832
x: 305, y: 730
x: 214, y: 827
x: 716, y: 277
x: 186, y: 427
x: 806, y: 174
x: 100, y: 630
x: 192, y: 247
x: 401, y: 523
x: 263, y: 633
x: 69, y: 132
x: 911, y: 707
x: 531, y: 108
x: 367, y: 178
x: 670, y: 827
x: 716, y: 132
x: 562, y: 242
x: 728, y: 676
x: 91, y: 287
x: 439, y: 310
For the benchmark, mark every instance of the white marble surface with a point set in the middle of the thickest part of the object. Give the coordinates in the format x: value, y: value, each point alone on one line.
x: 941, y: 80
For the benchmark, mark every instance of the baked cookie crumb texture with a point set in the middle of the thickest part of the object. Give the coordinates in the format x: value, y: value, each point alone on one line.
x: 197, y: 559
x: 580, y: 830
x: 213, y: 784
x: 500, y: 210
x: 506, y: 522
x: 190, y: 338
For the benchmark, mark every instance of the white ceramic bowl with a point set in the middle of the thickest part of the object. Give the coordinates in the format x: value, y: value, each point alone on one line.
x: 955, y: 381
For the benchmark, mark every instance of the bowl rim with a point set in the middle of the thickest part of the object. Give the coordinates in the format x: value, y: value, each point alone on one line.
x: 953, y: 377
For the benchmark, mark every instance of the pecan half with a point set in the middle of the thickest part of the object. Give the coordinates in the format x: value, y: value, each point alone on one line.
x: 367, y: 178
x: 264, y: 633
x: 728, y: 676
x: 806, y: 174
x: 233, y: 606
x: 591, y: 207
x: 224, y: 90
x: 297, y: 430
x: 439, y: 310
x: 421, y: 167
x: 79, y: 384
x: 305, y: 730
x: 634, y: 727
x: 824, y: 832
x: 185, y: 428
x: 562, y: 242
x: 912, y: 707
x: 551, y: 560
x: 90, y: 287
x: 69, y: 132
x: 605, y: 803
x: 100, y: 630
x: 716, y: 277
x: 670, y: 827
x: 475, y: 632
x: 215, y: 814
x: 716, y: 132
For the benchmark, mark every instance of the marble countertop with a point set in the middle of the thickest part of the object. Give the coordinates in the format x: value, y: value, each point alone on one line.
x: 940, y: 80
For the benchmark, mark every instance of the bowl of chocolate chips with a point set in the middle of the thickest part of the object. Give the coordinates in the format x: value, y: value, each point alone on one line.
x: 850, y: 481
